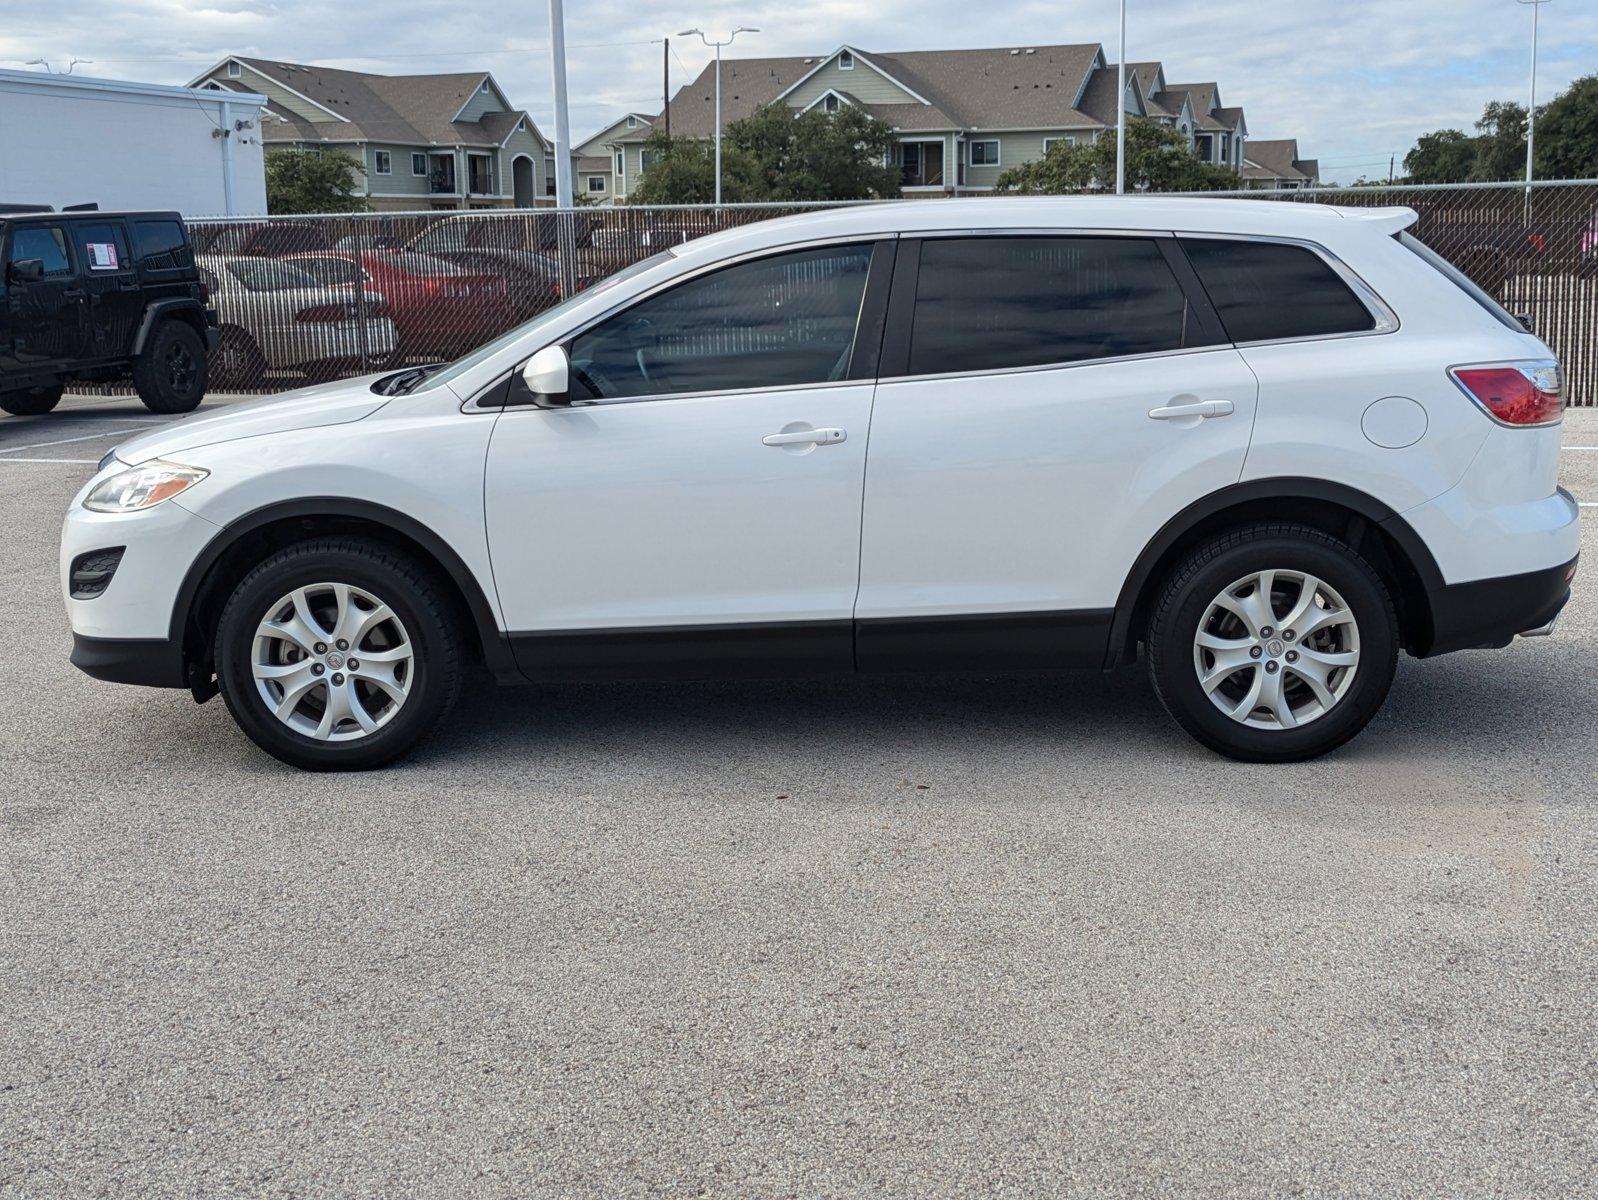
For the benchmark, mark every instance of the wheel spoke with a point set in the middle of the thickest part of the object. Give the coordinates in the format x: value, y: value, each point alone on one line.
x: 358, y: 708
x: 1315, y: 682
x: 1250, y: 701
x: 293, y: 694
x: 337, y: 711
x: 1273, y: 697
x: 1227, y: 663
x: 1322, y: 618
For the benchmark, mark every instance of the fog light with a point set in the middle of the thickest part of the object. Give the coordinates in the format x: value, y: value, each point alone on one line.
x: 91, y: 573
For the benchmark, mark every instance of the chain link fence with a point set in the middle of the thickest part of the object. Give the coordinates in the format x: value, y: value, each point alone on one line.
x: 303, y: 299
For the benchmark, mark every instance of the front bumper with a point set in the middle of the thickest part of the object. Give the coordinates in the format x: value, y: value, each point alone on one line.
x: 149, y: 662
x: 1492, y: 612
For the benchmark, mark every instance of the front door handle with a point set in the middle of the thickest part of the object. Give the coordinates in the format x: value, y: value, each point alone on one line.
x: 1198, y: 408
x: 802, y: 437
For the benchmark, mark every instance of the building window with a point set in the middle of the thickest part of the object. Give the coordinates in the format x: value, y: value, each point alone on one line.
x: 233, y: 70
x: 829, y: 103
x: 986, y: 153
x: 1226, y: 147
x: 596, y: 183
x: 632, y: 122
x: 621, y: 164
x: 1062, y: 141
x: 483, y: 88
x: 383, y: 162
x: 418, y: 164
x: 845, y: 61
x: 646, y: 159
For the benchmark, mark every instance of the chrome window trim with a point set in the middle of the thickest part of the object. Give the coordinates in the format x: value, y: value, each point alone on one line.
x: 1067, y: 365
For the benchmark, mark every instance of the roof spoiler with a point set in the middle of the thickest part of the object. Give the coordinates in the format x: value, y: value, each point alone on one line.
x: 1391, y: 220
x: 25, y: 208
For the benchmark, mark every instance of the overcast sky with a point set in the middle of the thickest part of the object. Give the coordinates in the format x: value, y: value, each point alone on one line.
x: 1354, y: 81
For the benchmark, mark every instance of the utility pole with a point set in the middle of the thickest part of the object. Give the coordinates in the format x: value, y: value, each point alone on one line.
x: 1392, y: 161
x: 1120, y: 111
x: 1531, y: 107
x: 557, y: 64
x: 665, y: 86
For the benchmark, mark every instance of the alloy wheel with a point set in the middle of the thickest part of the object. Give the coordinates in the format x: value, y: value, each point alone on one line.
x: 332, y: 662
x: 1276, y: 649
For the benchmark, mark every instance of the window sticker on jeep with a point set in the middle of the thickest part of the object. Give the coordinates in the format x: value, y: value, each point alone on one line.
x: 102, y: 256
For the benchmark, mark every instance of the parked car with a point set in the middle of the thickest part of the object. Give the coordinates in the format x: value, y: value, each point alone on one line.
x: 483, y: 246
x: 274, y: 316
x: 1264, y: 455
x: 101, y: 297
x: 263, y: 239
x: 439, y: 310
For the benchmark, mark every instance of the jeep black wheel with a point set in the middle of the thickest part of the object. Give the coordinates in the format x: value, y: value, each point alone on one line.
x: 31, y: 402
x: 170, y: 376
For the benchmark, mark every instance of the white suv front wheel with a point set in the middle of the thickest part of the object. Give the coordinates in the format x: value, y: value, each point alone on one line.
x: 1273, y: 643
x: 338, y: 654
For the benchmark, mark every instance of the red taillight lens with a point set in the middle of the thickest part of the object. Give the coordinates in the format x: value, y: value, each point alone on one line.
x: 1520, y: 394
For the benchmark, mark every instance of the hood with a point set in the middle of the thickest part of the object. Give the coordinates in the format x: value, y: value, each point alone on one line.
x: 326, y: 404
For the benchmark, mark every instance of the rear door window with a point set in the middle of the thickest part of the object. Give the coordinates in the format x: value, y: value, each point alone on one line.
x: 1267, y: 291
x: 102, y: 247
x: 994, y: 303
x: 47, y: 243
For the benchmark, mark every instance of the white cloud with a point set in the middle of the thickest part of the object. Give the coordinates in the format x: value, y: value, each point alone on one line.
x: 1355, y: 81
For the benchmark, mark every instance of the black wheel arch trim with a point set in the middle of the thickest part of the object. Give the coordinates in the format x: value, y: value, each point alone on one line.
x: 1134, y: 587
x: 177, y: 306
x: 497, y: 654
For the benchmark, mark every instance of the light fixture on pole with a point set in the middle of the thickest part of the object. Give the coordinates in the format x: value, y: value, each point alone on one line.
x: 1120, y: 110
x: 718, y: 46
x: 1531, y: 108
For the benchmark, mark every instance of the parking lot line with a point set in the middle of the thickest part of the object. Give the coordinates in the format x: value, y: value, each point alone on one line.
x: 91, y: 437
x: 90, y: 461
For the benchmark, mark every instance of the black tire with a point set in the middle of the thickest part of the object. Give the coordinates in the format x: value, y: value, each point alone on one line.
x: 239, y: 362
x: 1198, y: 581
x: 31, y: 402
x: 411, y: 592
x: 171, y: 373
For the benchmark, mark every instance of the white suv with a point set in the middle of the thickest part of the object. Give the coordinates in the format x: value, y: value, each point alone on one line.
x: 1265, y: 445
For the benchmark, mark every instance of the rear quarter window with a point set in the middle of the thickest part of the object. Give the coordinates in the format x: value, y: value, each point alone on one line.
x: 1268, y: 291
x: 161, y: 246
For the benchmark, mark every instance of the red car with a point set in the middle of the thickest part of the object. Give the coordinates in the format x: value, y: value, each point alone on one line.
x: 439, y: 311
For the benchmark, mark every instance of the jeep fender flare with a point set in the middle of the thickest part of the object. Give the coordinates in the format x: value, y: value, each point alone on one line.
x: 159, y: 311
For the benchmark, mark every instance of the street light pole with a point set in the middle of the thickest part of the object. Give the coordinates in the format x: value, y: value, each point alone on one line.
x: 557, y: 63
x: 718, y: 46
x: 1531, y: 108
x: 1120, y: 111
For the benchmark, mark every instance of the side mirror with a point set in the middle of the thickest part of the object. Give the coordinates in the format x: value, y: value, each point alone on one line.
x: 27, y: 270
x: 547, y: 377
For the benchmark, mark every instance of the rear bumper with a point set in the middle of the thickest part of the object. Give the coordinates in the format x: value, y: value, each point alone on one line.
x: 1491, y: 612
x: 149, y: 662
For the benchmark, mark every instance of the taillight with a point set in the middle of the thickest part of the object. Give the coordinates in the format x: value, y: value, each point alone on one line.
x: 1515, y: 393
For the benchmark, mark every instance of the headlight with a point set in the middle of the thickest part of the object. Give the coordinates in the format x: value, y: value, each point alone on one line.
x: 143, y: 486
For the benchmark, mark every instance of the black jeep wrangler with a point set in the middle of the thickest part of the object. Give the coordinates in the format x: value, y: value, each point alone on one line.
x: 101, y: 297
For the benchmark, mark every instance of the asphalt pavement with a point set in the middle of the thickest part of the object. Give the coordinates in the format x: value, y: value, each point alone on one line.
x: 930, y: 937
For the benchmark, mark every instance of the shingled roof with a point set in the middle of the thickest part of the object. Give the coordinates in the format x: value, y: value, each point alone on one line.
x: 402, y: 109
x: 1277, y: 158
x: 1001, y: 88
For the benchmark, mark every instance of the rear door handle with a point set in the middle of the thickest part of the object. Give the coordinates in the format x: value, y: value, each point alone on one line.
x: 800, y: 437
x: 1198, y: 408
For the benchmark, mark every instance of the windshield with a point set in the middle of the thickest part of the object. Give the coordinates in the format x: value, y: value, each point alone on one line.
x: 487, y: 351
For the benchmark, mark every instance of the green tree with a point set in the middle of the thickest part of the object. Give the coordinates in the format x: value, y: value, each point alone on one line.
x: 1445, y: 156
x: 1567, y: 133
x: 1158, y: 159
x: 817, y: 155
x: 312, y: 181
x: 1501, y: 149
x: 683, y: 171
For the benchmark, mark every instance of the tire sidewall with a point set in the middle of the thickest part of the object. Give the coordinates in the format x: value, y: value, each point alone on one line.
x: 429, y: 694
x: 154, y: 386
x: 1171, y: 648
x: 32, y: 402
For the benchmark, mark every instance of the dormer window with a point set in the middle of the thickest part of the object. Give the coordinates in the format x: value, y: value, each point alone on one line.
x: 632, y: 122
x: 233, y: 70
x: 845, y: 61
x: 484, y: 87
x: 829, y: 103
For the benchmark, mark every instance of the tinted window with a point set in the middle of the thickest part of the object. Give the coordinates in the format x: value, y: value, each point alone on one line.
x: 785, y: 320
x: 161, y: 246
x: 102, y: 246
x: 267, y: 275
x: 330, y: 270
x: 1265, y: 290
x: 44, y: 242
x: 985, y: 304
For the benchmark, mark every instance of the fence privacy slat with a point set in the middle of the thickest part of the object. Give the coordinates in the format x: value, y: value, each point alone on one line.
x: 369, y: 291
